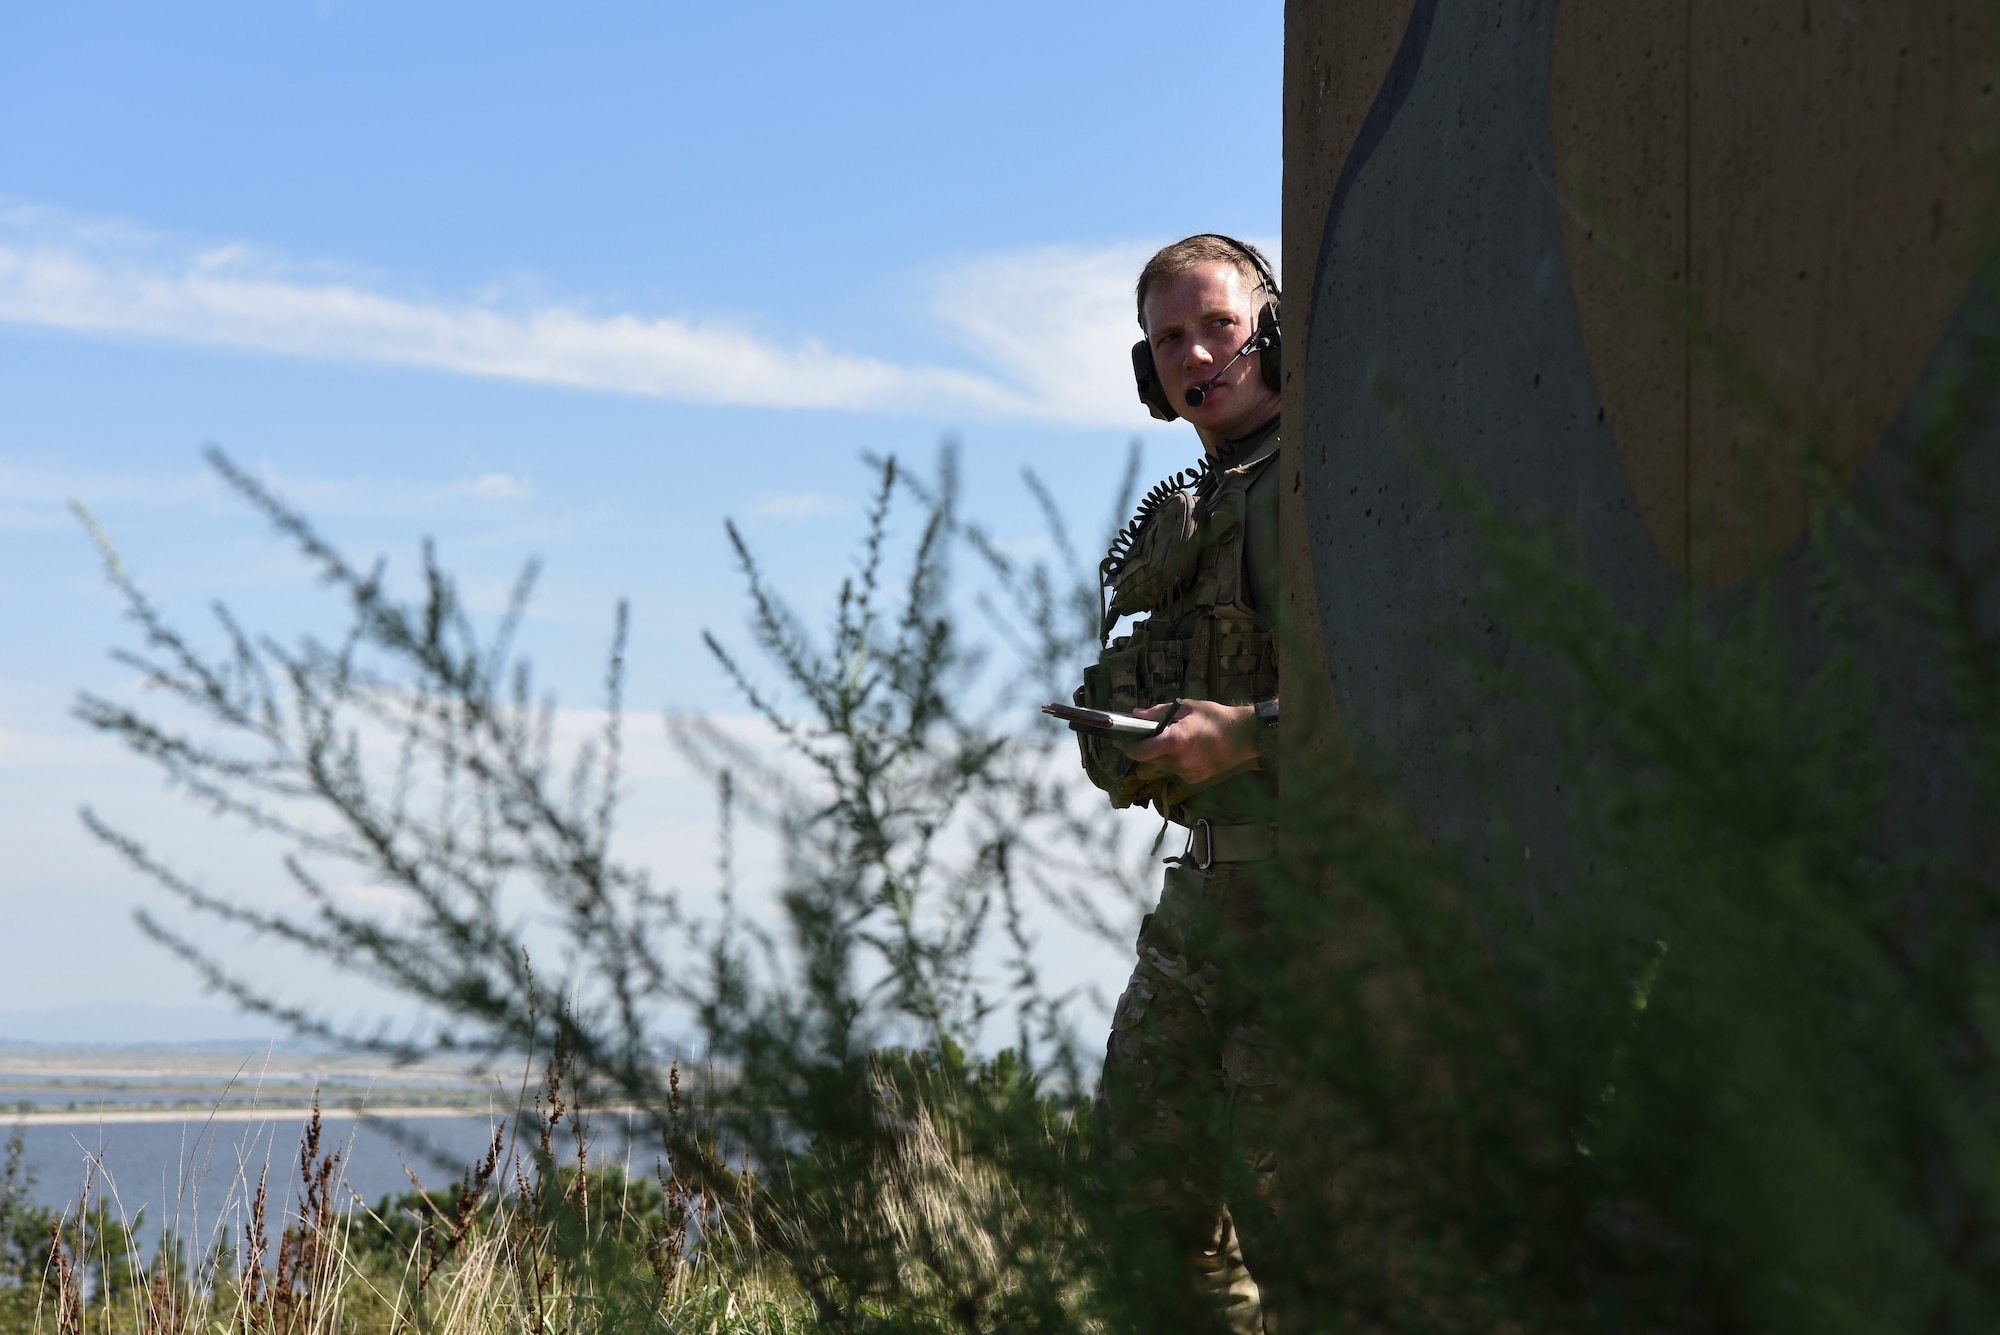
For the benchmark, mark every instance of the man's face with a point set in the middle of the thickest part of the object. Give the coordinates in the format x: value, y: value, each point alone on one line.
x: 1196, y: 322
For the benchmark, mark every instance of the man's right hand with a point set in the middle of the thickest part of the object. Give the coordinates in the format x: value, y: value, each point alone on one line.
x: 1204, y: 740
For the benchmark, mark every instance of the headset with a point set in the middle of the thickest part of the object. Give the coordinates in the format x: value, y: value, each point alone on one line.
x: 1267, y: 340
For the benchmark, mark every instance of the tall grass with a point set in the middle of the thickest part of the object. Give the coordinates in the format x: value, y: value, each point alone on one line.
x: 532, y: 1239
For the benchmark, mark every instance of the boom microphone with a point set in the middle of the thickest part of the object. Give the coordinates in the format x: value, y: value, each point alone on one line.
x: 1196, y: 393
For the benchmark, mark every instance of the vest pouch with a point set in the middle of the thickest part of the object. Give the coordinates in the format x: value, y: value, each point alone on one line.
x: 1245, y: 659
x: 1162, y: 559
x: 1112, y: 683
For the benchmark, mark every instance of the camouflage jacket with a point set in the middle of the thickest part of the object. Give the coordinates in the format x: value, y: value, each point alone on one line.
x: 1198, y: 565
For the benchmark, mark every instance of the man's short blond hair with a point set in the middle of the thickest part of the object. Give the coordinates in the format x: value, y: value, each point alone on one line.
x: 1192, y: 252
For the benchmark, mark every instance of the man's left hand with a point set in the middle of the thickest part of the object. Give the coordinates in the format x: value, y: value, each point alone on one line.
x: 1204, y: 740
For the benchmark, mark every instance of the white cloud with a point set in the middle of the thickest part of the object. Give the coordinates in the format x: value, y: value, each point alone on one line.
x: 94, y: 278
x: 1052, y: 320
x: 39, y: 752
x: 498, y: 487
x: 23, y: 519
x: 1048, y: 326
x: 41, y: 495
x: 796, y: 505
x: 1056, y: 322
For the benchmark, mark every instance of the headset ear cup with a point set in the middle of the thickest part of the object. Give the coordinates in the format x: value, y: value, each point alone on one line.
x: 1148, y: 378
x: 1272, y: 359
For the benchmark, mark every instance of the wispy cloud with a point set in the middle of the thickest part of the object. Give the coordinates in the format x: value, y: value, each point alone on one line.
x: 38, y: 499
x: 497, y: 487
x: 98, y: 279
x: 1045, y: 328
x: 1051, y: 320
x: 1056, y: 323
x: 796, y: 505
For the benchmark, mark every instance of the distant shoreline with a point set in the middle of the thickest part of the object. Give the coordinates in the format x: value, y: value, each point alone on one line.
x: 125, y: 1116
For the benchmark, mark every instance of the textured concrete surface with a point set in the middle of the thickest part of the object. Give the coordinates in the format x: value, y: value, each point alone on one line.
x: 1621, y: 260
x: 1804, y: 171
x: 1332, y: 71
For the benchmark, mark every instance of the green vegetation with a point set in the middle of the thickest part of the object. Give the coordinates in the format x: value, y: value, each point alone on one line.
x: 849, y: 1145
x: 25, y: 1229
x: 519, y: 1244
x: 1735, y: 1072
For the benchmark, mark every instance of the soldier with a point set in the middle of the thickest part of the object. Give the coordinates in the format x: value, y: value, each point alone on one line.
x: 1184, y: 1100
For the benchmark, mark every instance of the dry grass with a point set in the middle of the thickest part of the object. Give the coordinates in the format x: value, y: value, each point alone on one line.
x: 562, y: 1251
x: 922, y: 1231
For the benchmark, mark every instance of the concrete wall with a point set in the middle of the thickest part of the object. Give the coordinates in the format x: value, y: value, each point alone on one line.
x: 1536, y: 220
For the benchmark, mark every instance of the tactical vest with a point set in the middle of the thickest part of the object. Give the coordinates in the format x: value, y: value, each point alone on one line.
x: 1181, y: 563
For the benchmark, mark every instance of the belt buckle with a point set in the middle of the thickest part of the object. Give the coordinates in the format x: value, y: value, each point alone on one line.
x: 1201, y: 834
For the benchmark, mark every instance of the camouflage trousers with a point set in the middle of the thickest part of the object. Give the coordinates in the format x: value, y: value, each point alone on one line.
x: 1184, y: 1115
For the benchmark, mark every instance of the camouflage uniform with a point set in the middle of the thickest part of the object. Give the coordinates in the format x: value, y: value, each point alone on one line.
x: 1184, y: 1102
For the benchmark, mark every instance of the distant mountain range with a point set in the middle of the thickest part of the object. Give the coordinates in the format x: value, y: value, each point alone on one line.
x: 126, y: 1024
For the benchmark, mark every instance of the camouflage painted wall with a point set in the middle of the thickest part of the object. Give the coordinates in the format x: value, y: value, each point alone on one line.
x: 1491, y: 204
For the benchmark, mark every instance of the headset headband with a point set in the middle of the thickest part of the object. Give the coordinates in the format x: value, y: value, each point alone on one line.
x: 1256, y: 258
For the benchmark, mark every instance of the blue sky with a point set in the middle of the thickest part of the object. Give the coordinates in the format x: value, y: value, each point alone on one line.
x: 571, y: 282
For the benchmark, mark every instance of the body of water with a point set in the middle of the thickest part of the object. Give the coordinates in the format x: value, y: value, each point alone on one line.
x: 197, y: 1174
